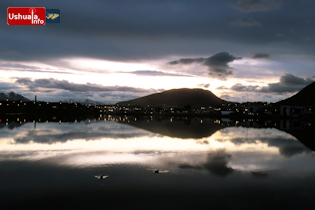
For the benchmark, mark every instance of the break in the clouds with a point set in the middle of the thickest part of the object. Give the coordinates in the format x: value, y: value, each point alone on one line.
x: 244, y: 22
x: 260, y: 55
x: 218, y: 64
x: 288, y: 83
x: 256, y: 5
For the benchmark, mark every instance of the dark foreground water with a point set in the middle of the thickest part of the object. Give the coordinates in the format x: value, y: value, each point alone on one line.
x: 202, y: 164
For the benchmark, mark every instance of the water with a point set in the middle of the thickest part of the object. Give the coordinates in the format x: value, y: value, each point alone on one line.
x: 201, y: 164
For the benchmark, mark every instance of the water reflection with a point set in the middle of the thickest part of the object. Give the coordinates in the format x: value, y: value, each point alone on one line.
x: 203, y: 145
x: 177, y: 155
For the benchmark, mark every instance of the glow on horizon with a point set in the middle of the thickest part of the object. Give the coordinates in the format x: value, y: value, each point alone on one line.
x: 117, y: 73
x: 110, y: 73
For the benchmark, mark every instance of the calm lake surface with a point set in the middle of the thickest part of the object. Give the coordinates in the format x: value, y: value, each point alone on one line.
x: 202, y: 164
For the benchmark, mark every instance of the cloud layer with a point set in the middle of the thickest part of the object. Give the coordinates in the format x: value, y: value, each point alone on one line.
x: 288, y: 83
x: 70, y: 86
x: 260, y: 55
x: 59, y: 90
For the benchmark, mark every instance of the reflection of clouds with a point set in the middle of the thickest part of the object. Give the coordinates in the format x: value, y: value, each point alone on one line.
x: 59, y: 133
x: 217, y: 163
x: 222, y: 154
x: 288, y: 146
x: 259, y: 174
x: 50, y: 138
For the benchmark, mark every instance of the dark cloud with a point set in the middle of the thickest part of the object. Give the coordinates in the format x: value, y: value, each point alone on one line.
x: 291, y: 80
x: 60, y: 90
x: 279, y: 88
x: 204, y: 85
x: 8, y: 87
x: 288, y: 83
x: 244, y: 22
x: 222, y: 88
x: 70, y: 86
x: 138, y: 30
x: 260, y: 55
x: 9, y: 66
x: 242, y: 88
x: 228, y: 97
x: 256, y: 5
x: 188, y: 61
x: 217, y: 64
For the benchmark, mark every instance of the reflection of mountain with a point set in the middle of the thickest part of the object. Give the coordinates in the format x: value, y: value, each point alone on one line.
x: 179, y: 97
x: 183, y: 129
x: 186, y: 129
x: 10, y: 125
x: 305, y: 136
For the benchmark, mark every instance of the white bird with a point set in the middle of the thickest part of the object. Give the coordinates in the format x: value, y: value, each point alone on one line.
x: 101, y: 176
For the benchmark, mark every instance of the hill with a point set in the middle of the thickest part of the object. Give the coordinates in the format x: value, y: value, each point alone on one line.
x: 177, y: 97
x: 85, y: 102
x: 303, y: 98
x: 13, y: 97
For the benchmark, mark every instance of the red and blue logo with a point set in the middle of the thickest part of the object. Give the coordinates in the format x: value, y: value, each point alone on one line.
x: 32, y: 16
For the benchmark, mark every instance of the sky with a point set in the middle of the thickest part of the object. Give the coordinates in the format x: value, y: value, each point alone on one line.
x: 112, y: 51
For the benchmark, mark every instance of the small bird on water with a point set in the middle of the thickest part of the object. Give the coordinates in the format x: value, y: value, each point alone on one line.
x: 100, y: 176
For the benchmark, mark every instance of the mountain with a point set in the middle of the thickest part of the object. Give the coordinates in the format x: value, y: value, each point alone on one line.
x: 305, y: 97
x: 86, y: 102
x: 179, y: 97
x: 12, y: 97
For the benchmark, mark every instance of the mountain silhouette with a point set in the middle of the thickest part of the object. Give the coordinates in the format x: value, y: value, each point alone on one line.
x: 303, y: 98
x: 84, y: 102
x: 177, y: 97
x: 13, y: 97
